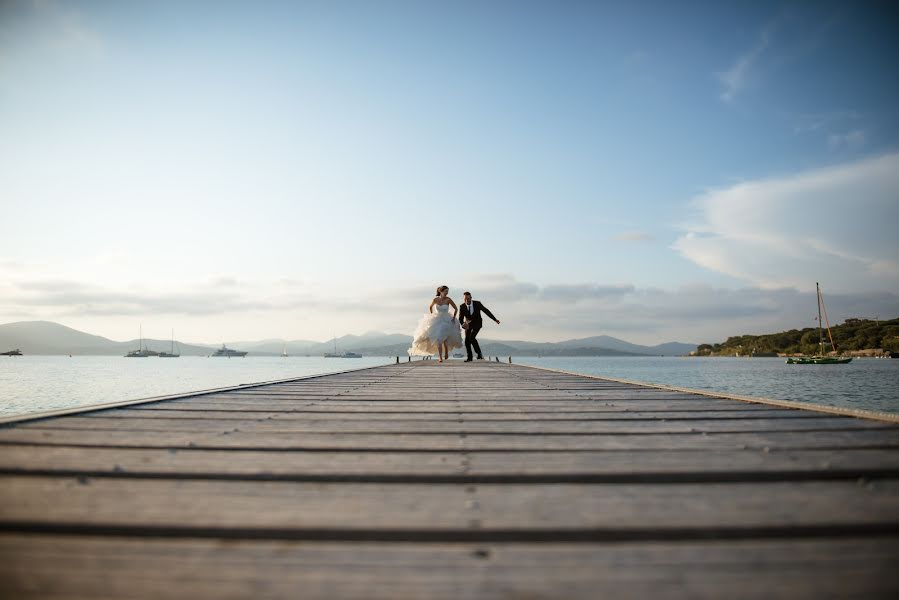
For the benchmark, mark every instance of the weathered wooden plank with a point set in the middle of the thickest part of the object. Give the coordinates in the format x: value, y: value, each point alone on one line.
x: 507, y: 405
x: 618, y: 509
x: 729, y: 464
x: 391, y: 425
x: 350, y: 405
x: 48, y: 567
x: 444, y: 415
x: 154, y: 439
x: 190, y: 461
x: 722, y: 463
x: 872, y: 438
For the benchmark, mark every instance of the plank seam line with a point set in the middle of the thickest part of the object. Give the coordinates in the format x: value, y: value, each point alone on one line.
x: 480, y: 535
x: 649, y: 478
x: 380, y: 449
x: 245, y: 433
x: 399, y: 411
x: 741, y: 417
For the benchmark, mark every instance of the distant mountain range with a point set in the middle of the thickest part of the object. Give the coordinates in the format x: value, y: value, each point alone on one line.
x: 45, y: 337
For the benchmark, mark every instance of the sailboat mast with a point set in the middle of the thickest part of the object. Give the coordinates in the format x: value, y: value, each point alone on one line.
x: 820, y: 332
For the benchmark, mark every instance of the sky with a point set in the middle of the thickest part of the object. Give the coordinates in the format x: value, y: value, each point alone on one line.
x: 654, y: 171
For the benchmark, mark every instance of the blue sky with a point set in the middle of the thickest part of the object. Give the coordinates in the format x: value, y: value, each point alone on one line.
x: 653, y: 171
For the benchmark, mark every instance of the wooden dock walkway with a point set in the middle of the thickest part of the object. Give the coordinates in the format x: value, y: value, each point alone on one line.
x: 425, y: 480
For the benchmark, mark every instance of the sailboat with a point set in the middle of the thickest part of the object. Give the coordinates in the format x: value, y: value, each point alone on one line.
x: 284, y: 353
x: 172, y: 353
x: 344, y: 355
x: 820, y: 358
x: 141, y: 352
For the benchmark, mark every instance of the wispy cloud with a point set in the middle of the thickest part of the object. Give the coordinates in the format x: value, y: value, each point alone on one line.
x: 835, y: 224
x: 851, y: 140
x: 839, y: 129
x: 528, y: 310
x: 735, y: 79
x: 823, y: 121
x: 68, y: 298
x: 580, y: 292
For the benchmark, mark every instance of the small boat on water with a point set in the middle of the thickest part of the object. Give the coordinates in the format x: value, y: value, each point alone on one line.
x: 141, y: 352
x: 335, y: 354
x: 15, y: 352
x: 225, y: 351
x: 170, y: 354
x: 820, y: 358
x: 344, y: 355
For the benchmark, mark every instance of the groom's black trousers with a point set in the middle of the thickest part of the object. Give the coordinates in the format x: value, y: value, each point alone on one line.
x: 471, y: 335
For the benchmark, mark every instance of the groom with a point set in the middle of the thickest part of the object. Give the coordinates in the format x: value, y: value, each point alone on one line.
x: 470, y: 317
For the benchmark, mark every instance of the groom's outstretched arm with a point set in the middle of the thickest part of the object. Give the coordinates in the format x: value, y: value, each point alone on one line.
x: 489, y: 314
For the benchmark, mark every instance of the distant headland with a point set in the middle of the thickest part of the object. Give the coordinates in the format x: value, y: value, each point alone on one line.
x: 858, y: 337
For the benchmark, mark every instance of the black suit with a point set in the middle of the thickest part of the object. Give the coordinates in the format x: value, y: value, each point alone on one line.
x: 475, y: 324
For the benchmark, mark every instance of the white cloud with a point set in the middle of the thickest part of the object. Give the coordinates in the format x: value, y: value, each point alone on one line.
x: 835, y: 225
x: 223, y: 308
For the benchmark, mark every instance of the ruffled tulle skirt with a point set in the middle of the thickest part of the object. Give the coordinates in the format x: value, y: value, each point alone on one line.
x: 433, y: 329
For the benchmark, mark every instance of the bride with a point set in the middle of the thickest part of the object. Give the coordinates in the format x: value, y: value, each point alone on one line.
x: 437, y: 332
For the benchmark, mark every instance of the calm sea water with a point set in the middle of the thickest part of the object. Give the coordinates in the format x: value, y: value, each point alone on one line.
x: 39, y: 383
x: 871, y: 384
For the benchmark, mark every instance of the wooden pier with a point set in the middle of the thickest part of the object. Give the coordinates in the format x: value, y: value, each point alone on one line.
x: 425, y: 480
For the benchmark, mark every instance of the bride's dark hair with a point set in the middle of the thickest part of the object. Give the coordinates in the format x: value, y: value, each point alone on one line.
x: 441, y: 287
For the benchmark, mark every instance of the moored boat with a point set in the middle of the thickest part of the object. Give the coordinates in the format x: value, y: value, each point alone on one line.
x: 821, y: 358
x: 141, y: 352
x: 171, y: 353
x: 818, y: 360
x: 335, y: 354
x: 225, y: 351
x: 344, y: 355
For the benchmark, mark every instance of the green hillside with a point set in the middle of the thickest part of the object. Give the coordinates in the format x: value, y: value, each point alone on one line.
x: 853, y: 334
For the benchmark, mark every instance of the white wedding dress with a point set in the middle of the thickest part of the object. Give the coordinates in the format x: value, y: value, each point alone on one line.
x: 436, y: 328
